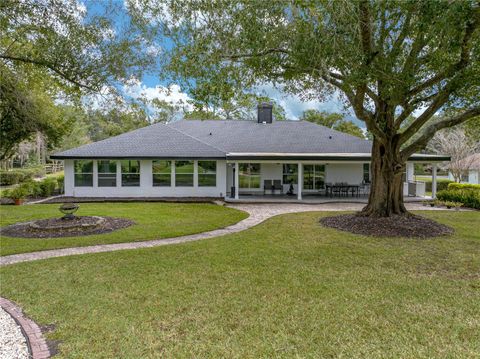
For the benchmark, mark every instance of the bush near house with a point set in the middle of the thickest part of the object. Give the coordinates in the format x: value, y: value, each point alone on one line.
x: 33, y: 189
x: 469, y: 197
x: 61, y: 184
x: 11, y: 177
x: 455, y: 185
x: 442, y: 184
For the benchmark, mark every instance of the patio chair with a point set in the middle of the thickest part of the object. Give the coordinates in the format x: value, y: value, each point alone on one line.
x: 277, y: 186
x: 354, y: 190
x: 364, y: 189
x: 336, y: 189
x: 267, y: 186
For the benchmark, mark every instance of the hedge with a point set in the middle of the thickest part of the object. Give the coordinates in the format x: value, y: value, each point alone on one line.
x: 8, y: 178
x: 469, y: 197
x: 35, y: 189
x: 464, y: 186
x: 442, y: 184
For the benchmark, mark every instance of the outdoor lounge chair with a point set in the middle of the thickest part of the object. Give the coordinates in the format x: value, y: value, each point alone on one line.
x: 267, y: 186
x: 277, y: 186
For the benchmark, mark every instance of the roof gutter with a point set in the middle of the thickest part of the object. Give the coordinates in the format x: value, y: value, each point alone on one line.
x: 361, y: 157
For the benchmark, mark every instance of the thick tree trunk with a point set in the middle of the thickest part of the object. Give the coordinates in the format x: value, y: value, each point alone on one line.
x: 386, y: 193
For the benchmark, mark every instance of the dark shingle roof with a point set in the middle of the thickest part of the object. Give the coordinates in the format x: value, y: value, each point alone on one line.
x: 216, y: 139
x: 155, y: 141
x: 277, y: 137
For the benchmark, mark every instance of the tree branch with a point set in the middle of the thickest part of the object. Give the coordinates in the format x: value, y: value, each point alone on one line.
x: 257, y: 54
x: 437, y: 103
x: 422, y: 141
x: 410, y: 107
x: 50, y: 67
x: 458, y: 66
x: 401, y: 37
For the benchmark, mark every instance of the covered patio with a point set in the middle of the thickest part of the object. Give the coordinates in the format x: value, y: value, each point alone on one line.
x: 274, y: 178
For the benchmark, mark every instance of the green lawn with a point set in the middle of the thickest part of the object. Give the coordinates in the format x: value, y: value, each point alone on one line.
x: 285, y: 288
x: 153, y: 221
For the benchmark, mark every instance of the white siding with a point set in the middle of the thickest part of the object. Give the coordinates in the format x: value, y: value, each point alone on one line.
x: 474, y: 177
x: 69, y: 177
x: 146, y: 189
x: 351, y: 173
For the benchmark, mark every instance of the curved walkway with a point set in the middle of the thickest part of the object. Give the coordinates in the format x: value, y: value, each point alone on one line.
x: 258, y: 213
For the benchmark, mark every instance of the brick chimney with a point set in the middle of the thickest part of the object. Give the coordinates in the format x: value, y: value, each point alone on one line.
x: 265, y: 112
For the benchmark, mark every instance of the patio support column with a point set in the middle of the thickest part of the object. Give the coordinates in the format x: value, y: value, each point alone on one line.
x: 410, y: 171
x: 300, y: 181
x: 237, y: 184
x: 434, y: 180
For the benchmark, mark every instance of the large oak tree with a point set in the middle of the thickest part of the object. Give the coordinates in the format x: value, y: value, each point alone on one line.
x: 389, y: 60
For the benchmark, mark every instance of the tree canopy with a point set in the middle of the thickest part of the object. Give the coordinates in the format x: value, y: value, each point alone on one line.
x: 53, y: 52
x: 25, y: 109
x: 333, y: 120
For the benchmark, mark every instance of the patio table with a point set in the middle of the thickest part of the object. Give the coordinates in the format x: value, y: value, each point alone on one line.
x: 331, y: 188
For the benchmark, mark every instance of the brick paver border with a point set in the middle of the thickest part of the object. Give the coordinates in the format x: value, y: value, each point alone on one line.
x: 37, y: 345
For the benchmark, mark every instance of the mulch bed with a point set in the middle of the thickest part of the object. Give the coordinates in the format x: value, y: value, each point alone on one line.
x: 411, y: 226
x: 57, y: 227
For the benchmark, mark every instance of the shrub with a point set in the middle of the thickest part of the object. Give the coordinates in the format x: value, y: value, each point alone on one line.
x: 47, y: 187
x: 469, y: 197
x: 20, y: 175
x: 442, y: 184
x: 34, y: 189
x: 61, y: 183
x: 452, y: 186
x: 19, y: 192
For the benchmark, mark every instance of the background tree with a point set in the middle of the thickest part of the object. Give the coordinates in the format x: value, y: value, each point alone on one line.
x: 242, y: 106
x: 334, y: 121
x: 455, y: 143
x: 51, y: 50
x: 25, y: 110
x: 388, y: 59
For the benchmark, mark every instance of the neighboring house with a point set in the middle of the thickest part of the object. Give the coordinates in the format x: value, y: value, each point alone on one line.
x: 193, y: 158
x: 471, y: 168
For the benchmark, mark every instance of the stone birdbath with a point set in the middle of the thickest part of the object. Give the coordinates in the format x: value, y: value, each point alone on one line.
x: 68, y: 209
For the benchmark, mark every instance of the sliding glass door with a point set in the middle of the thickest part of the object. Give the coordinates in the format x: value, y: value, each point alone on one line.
x: 313, y: 177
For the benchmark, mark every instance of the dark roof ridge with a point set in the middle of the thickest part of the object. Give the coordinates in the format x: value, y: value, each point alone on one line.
x: 196, y: 139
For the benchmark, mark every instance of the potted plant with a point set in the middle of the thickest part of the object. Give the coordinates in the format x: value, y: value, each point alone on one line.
x: 457, y: 205
x: 18, y: 194
x: 449, y: 204
x: 438, y: 203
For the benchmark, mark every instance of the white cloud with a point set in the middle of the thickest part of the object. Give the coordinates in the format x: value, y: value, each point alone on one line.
x: 172, y: 94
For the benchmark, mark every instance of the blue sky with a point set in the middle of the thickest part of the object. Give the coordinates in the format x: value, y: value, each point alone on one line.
x: 152, y: 86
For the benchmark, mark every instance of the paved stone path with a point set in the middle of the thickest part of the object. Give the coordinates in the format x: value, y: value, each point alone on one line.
x: 258, y: 214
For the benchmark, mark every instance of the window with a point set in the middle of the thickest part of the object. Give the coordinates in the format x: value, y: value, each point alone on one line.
x: 313, y: 177
x: 107, y: 173
x: 290, y: 173
x: 249, y: 175
x: 184, y: 173
x: 366, y: 173
x: 207, y: 173
x: 162, y: 173
x: 83, y: 170
x: 130, y: 173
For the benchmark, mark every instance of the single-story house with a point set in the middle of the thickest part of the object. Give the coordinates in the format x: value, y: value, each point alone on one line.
x: 471, y: 169
x: 224, y: 159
